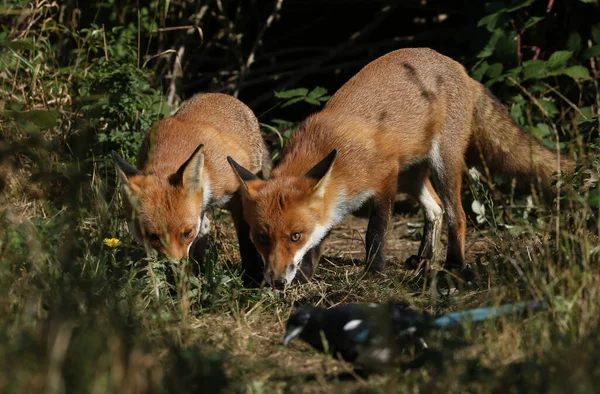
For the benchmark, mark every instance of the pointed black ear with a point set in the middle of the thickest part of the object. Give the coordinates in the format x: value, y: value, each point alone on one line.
x: 242, y: 173
x: 189, y: 173
x: 127, y: 169
x: 322, y: 168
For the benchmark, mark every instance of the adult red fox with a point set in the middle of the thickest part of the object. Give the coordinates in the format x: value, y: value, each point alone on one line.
x: 182, y: 172
x: 407, y: 116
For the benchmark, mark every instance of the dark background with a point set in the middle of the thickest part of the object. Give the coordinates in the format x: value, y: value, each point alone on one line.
x: 320, y: 42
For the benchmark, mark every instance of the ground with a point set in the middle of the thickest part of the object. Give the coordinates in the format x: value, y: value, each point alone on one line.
x: 252, y: 336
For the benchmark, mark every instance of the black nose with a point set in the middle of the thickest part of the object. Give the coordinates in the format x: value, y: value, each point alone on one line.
x: 279, y: 283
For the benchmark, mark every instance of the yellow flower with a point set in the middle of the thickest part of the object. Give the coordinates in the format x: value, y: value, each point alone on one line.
x: 112, y: 242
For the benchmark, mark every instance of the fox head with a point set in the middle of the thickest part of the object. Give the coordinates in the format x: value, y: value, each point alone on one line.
x: 165, y: 212
x: 287, y: 216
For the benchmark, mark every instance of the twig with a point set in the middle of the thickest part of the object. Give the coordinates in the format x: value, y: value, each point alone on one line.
x: 571, y: 104
x: 172, y: 28
x: 257, y: 42
x: 175, y: 74
x: 105, y: 46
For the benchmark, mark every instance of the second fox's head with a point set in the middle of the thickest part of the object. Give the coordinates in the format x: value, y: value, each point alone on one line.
x: 165, y: 212
x: 287, y: 216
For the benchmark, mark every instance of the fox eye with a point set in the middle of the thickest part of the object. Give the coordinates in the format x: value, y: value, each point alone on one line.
x: 153, y: 238
x: 262, y: 239
x: 187, y: 234
x: 295, y: 237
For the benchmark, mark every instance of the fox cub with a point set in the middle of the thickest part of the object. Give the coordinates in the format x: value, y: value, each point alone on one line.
x: 406, y: 118
x: 182, y: 172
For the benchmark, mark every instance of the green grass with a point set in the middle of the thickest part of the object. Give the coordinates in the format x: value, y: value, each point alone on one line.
x: 79, y: 316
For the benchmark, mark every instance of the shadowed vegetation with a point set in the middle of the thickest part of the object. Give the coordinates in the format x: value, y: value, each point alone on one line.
x: 78, y: 314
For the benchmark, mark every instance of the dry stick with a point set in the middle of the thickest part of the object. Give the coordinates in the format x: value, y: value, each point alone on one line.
x: 257, y: 42
x: 104, y: 39
x: 172, y: 28
x: 571, y: 104
x: 177, y: 65
x: 175, y: 74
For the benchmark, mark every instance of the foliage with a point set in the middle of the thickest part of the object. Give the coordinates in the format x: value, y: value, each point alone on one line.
x: 79, y: 79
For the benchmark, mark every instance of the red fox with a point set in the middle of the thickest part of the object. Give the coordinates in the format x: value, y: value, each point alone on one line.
x: 407, y: 117
x: 182, y: 172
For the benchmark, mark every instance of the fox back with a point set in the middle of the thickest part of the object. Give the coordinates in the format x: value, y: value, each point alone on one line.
x: 182, y: 170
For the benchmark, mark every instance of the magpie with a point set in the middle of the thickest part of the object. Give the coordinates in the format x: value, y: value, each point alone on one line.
x: 372, y: 335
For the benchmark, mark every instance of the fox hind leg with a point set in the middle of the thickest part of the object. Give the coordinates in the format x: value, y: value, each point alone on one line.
x: 415, y: 181
x: 446, y: 171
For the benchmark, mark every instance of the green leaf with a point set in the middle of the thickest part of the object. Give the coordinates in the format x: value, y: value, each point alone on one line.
x: 559, y: 58
x: 524, y: 4
x: 550, y: 107
x: 534, y: 68
x: 596, y: 33
x: 282, y: 123
x: 44, y: 119
x: 495, y: 70
x: 516, y: 112
x: 591, y: 52
x: 534, y: 20
x: 312, y: 101
x: 574, y: 42
x: 479, y: 71
x: 492, y: 81
x: 489, y: 21
x: 292, y: 101
x: 491, y: 45
x: 585, y: 113
x: 542, y: 130
x: 317, y: 92
x: 576, y: 72
x: 292, y: 93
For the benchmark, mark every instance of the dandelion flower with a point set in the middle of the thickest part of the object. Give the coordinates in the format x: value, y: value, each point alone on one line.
x: 112, y: 242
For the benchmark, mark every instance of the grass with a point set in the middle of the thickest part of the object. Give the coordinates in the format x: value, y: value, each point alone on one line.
x: 79, y: 316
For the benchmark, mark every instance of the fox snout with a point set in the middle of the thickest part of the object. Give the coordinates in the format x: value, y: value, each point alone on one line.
x: 277, y: 280
x: 280, y: 274
x: 175, y: 252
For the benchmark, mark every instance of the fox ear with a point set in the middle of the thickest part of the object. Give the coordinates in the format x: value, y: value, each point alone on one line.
x: 190, y: 173
x: 126, y: 171
x: 321, y: 173
x: 243, y: 174
x: 126, y: 168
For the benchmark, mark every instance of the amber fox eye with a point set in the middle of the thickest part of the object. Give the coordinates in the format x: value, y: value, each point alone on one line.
x: 295, y: 237
x: 187, y: 234
x: 262, y: 239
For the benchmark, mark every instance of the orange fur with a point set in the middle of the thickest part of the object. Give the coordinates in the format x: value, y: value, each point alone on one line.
x: 170, y: 197
x: 407, y: 117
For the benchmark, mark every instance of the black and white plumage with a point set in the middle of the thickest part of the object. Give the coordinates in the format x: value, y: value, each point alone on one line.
x: 372, y: 335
